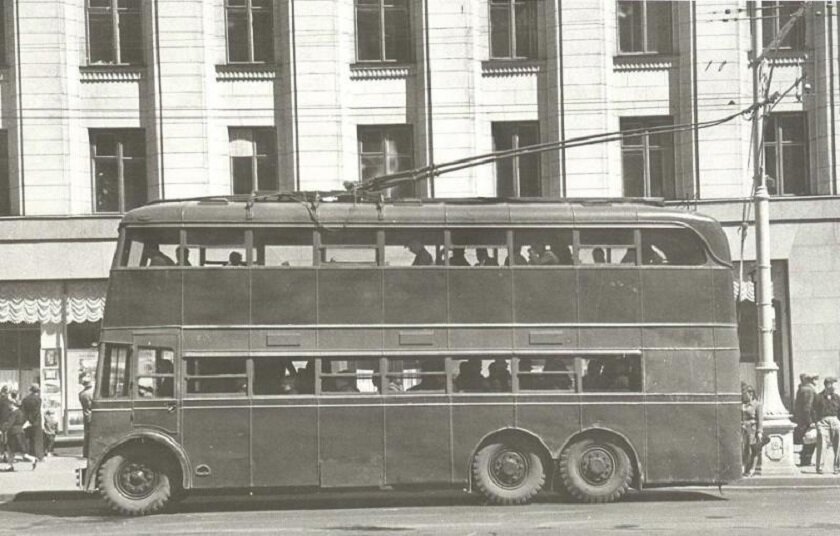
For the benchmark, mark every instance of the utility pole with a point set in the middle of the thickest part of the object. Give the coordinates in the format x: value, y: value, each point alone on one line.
x: 777, y: 457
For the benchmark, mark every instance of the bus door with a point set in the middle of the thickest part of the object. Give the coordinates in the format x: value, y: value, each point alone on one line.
x: 155, y: 404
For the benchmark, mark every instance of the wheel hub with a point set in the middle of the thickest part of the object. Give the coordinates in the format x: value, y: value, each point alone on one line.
x: 509, y: 468
x: 597, y: 466
x: 136, y: 479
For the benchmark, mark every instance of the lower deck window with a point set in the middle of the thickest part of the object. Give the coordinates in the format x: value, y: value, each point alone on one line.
x: 217, y: 375
x: 590, y: 374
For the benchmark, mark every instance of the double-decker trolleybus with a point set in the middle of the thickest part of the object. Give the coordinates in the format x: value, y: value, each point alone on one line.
x: 510, y: 346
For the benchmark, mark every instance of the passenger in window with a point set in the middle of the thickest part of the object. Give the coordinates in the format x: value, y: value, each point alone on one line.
x: 430, y: 383
x: 650, y: 256
x: 499, y: 376
x: 305, y: 379
x: 156, y: 256
x: 538, y: 255
x: 629, y: 257
x: 518, y: 258
x: 458, y: 258
x: 563, y: 254
x: 235, y: 259
x: 394, y: 385
x: 183, y: 254
x: 166, y: 386
x: 421, y: 256
x: 593, y: 380
x: 598, y: 256
x: 469, y: 377
x: 561, y: 382
x: 484, y: 258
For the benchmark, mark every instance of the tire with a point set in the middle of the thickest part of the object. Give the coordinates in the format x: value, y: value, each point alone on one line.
x: 508, y: 472
x: 595, y: 470
x: 134, y: 483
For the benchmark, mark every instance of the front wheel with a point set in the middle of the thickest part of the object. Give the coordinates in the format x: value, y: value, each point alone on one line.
x: 134, y: 483
x: 508, y: 472
x: 595, y: 470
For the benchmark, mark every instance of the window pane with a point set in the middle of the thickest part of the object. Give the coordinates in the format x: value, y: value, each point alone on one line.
x: 397, y: 34
x: 770, y: 169
x: 133, y: 143
x: 287, y: 247
x: 101, y: 38
x: 611, y: 374
x: 659, y: 26
x: 107, y: 185
x: 104, y: 144
x: 237, y: 28
x: 372, y: 166
x: 413, y: 248
x: 115, y: 372
x: 217, y: 247
x: 500, y: 31
x: 633, y: 173
x: 792, y: 127
x: 541, y: 247
x: 526, y: 29
x: 267, y: 174
x: 242, y: 169
x: 479, y: 248
x: 406, y: 375
x: 135, y: 183
x: 675, y: 247
x: 481, y: 375
x: 547, y: 374
x: 150, y: 247
x: 367, y: 34
x: 263, y: 35
x: 529, y: 176
x: 277, y: 376
x: 795, y: 171
x: 630, y: 26
x: 131, y: 38
x: 360, y: 375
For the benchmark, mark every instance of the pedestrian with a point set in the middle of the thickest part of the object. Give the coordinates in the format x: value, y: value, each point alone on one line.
x: 16, y: 441
x: 86, y: 400
x: 50, y: 429
x: 751, y: 430
x: 7, y: 409
x: 826, y: 409
x: 803, y: 415
x: 31, y: 408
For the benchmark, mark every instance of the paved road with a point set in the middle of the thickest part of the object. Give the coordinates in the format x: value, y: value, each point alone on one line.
x: 752, y: 511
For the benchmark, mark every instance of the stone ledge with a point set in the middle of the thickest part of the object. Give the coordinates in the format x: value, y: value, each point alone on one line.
x: 112, y: 73
x: 245, y: 71
x: 381, y: 71
x: 644, y: 62
x: 507, y: 68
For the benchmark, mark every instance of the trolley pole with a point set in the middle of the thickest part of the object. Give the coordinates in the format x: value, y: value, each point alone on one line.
x: 777, y: 456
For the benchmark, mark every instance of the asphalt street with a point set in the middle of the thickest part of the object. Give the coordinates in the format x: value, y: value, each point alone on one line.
x: 744, y: 511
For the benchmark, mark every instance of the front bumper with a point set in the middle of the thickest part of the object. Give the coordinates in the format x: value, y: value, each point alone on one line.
x: 81, y: 478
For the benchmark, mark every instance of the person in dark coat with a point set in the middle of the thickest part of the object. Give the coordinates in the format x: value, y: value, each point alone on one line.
x: 7, y: 409
x: 31, y: 408
x: 803, y: 415
x: 86, y: 401
x: 826, y: 409
x: 16, y: 441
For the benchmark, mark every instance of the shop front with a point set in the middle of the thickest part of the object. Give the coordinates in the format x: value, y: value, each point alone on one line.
x: 48, y: 335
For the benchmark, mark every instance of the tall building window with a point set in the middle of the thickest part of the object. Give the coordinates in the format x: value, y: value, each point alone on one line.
x: 647, y: 157
x: 386, y: 149
x: 119, y: 169
x: 382, y: 30
x: 513, y: 29
x: 774, y: 16
x: 786, y: 154
x: 517, y: 176
x: 5, y: 176
x: 115, y: 34
x: 250, y: 31
x: 253, y: 160
x: 645, y: 26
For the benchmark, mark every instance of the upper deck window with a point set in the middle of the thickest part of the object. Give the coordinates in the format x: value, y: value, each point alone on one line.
x: 217, y: 375
x: 674, y: 247
x: 348, y: 247
x: 215, y: 247
x: 415, y: 247
x: 542, y: 247
x: 150, y: 247
x: 607, y: 246
x: 477, y: 247
x: 283, y: 247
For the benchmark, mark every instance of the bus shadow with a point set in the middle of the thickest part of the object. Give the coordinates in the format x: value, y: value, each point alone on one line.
x: 206, y: 502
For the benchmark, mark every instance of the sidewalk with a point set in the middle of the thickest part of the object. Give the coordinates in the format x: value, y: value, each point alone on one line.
x: 55, y: 475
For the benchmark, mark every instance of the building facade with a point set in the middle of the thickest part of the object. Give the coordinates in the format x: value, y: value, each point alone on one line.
x: 108, y: 104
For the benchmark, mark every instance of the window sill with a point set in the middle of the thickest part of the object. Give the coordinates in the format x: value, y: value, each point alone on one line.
x: 644, y: 62
x: 513, y: 67
x: 381, y: 71
x: 788, y: 57
x: 230, y: 72
x: 112, y: 73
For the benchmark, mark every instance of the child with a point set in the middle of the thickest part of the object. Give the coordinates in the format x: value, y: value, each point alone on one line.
x: 50, y: 428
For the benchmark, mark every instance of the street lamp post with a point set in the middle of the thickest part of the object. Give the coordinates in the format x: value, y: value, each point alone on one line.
x: 777, y: 455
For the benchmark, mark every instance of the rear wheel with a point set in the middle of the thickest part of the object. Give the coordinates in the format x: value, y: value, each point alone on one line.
x: 508, y: 471
x: 595, y: 470
x: 135, y: 483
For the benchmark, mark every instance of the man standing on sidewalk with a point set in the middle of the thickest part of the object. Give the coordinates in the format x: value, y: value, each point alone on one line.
x: 826, y: 410
x: 803, y: 415
x: 86, y: 400
x: 31, y: 407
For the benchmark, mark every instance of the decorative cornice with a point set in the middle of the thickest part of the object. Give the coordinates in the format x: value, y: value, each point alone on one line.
x: 381, y: 71
x: 788, y: 58
x: 112, y: 73
x: 504, y: 68
x: 644, y: 62
x: 246, y: 71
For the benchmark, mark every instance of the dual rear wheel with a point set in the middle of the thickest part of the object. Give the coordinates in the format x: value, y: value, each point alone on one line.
x: 591, y: 469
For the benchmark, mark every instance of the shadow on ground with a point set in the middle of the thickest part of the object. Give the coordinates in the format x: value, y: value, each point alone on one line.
x: 74, y: 504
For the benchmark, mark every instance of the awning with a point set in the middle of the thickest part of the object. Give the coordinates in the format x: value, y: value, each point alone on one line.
x: 52, y: 302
